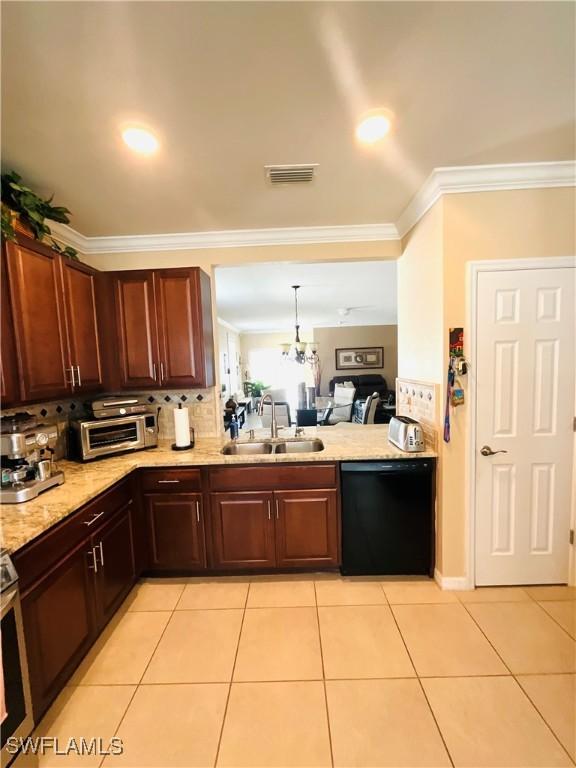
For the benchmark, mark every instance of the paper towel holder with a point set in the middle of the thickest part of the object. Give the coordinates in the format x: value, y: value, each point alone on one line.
x: 185, y: 447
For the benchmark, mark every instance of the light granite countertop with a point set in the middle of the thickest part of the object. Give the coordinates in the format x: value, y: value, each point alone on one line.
x: 21, y: 523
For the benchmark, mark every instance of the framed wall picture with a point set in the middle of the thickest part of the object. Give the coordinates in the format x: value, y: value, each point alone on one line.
x: 359, y: 357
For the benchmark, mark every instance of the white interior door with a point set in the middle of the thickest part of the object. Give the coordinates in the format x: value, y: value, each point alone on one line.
x: 524, y: 408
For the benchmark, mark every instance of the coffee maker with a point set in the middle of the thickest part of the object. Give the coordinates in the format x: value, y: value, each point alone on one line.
x: 27, y: 458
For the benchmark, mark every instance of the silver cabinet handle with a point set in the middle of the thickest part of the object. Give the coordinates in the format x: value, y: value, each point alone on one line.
x: 164, y: 482
x: 79, y: 377
x: 198, y: 512
x: 161, y: 372
x: 269, y: 510
x: 94, y: 566
x: 101, y: 554
x: 487, y: 451
x: 94, y: 518
x: 154, y: 370
x: 277, y: 510
x: 72, y: 381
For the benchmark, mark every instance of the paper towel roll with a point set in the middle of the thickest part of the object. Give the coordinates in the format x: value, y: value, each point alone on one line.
x: 181, y: 427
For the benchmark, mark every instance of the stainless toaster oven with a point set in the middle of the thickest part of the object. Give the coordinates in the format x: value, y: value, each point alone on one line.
x: 92, y: 439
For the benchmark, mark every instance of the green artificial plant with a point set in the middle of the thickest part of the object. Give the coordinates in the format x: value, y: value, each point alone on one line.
x: 33, y: 211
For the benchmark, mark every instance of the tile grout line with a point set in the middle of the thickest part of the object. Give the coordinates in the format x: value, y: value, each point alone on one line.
x: 138, y: 684
x: 490, y: 643
x: 546, y: 723
x: 217, y: 755
x: 554, y: 619
x: 513, y: 676
x: 323, y: 676
x: 421, y: 686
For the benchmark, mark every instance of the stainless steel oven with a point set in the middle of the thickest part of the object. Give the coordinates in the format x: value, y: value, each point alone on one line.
x: 17, y: 718
x: 103, y: 437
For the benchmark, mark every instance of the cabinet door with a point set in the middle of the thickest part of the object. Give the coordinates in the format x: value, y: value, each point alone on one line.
x: 178, y: 307
x: 81, y: 321
x: 136, y: 328
x: 114, y: 556
x: 242, y: 530
x: 8, y: 375
x: 175, y: 531
x: 38, y: 313
x: 59, y: 625
x: 306, y: 528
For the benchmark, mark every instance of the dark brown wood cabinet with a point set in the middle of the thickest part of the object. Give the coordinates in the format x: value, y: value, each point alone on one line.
x: 175, y: 523
x: 113, y: 559
x: 9, y: 391
x: 242, y: 530
x: 164, y: 327
x: 306, y: 528
x: 53, y: 308
x: 40, y: 326
x: 73, y: 579
x: 85, y: 359
x: 59, y: 625
x: 137, y: 330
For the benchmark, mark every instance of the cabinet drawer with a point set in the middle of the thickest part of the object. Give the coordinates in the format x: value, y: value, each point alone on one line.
x: 41, y: 554
x: 273, y: 478
x: 164, y: 480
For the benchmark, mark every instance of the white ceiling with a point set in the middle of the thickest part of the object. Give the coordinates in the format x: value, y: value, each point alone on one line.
x: 259, y: 297
x: 232, y: 86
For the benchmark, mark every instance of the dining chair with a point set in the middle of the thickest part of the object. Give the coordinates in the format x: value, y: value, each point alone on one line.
x: 370, y: 408
x: 343, y: 396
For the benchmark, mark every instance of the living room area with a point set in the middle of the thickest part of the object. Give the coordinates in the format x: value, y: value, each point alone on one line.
x: 318, y: 339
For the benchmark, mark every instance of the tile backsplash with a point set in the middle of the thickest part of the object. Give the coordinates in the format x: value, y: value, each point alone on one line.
x: 419, y: 400
x: 200, y: 402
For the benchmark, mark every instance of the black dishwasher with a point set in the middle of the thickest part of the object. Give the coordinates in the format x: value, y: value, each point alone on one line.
x: 388, y: 517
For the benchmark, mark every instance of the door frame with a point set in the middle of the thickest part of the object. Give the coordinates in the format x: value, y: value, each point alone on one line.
x: 473, y: 270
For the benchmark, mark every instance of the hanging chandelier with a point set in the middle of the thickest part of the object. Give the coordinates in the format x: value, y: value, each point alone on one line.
x: 299, y: 351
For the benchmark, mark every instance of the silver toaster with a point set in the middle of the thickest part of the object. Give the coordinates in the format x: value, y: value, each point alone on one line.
x: 406, y: 434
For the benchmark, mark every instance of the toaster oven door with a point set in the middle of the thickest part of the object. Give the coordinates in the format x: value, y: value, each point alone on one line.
x: 112, y: 436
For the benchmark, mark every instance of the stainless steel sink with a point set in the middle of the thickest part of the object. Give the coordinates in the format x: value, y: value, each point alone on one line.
x: 300, y: 446
x: 247, y: 449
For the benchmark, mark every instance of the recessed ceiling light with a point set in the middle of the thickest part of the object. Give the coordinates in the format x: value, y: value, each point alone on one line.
x: 140, y: 140
x: 373, y: 127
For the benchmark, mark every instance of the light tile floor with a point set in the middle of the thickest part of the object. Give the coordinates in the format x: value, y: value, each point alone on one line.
x: 326, y: 671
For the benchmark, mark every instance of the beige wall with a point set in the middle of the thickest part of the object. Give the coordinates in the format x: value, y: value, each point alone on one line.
x: 330, y: 339
x: 420, y: 300
x: 461, y: 228
x: 522, y: 224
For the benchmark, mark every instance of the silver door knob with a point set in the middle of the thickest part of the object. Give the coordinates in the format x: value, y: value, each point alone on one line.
x: 487, y: 451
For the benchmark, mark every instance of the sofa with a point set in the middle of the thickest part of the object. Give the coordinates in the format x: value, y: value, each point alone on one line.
x: 365, y: 384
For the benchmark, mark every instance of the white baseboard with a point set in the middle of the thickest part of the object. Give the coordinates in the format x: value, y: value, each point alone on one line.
x: 451, y: 582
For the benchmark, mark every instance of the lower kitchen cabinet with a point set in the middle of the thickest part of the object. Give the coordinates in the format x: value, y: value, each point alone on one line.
x: 242, y: 530
x: 112, y: 559
x: 175, y: 523
x: 73, y: 581
x: 60, y: 625
x: 306, y: 528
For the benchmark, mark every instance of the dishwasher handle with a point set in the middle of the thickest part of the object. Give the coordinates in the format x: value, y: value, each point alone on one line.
x: 398, y: 467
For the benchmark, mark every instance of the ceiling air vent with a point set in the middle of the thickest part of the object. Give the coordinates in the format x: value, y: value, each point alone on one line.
x: 291, y: 174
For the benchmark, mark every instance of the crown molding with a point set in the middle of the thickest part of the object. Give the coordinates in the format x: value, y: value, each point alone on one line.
x: 442, y: 181
x: 235, y: 238
x: 484, y: 178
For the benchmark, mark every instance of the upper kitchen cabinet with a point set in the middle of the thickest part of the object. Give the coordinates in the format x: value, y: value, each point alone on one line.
x: 8, y: 376
x: 40, y: 328
x: 79, y: 283
x: 137, y: 329
x: 53, y: 306
x: 164, y: 321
